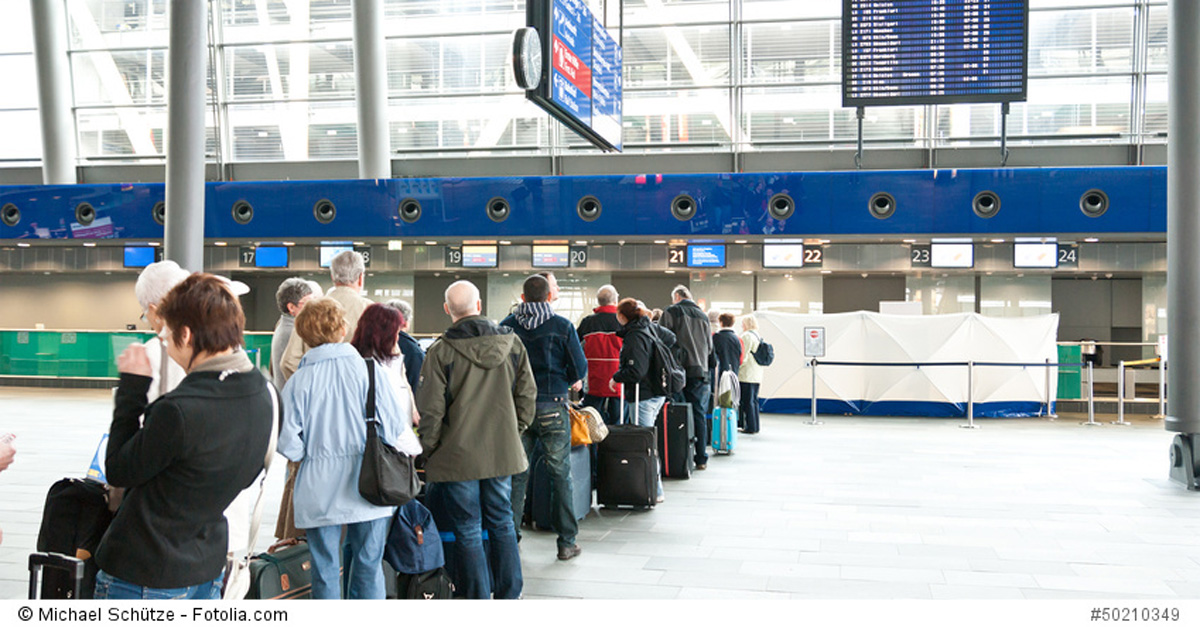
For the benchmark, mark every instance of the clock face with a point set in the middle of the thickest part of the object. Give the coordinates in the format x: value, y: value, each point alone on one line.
x: 527, y: 58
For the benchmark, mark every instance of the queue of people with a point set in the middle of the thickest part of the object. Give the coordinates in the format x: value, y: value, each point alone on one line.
x: 192, y: 422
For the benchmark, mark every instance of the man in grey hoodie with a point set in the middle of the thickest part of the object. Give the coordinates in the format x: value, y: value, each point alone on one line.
x: 476, y: 396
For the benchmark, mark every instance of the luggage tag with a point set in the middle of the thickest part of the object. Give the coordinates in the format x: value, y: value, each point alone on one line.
x: 96, y: 471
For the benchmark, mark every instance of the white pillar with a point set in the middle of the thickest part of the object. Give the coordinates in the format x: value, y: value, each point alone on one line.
x: 370, y: 81
x: 54, y: 91
x: 187, y: 59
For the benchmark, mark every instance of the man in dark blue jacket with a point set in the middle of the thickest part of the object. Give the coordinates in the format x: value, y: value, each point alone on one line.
x: 559, y: 365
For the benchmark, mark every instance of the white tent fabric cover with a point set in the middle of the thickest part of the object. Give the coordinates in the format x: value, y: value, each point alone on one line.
x: 928, y: 390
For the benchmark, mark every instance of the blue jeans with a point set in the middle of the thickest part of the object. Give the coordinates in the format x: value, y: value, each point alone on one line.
x: 647, y: 413
x: 467, y: 508
x: 109, y: 587
x: 698, y: 392
x: 364, y: 547
x: 551, y: 425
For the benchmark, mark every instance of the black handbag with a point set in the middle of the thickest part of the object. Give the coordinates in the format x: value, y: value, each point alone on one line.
x: 388, y: 477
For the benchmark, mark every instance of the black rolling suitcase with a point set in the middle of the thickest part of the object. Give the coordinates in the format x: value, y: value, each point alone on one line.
x: 74, y: 520
x: 627, y: 466
x: 676, y: 440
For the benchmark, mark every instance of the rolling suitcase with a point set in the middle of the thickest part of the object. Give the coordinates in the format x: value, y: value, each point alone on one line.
x: 74, y: 519
x: 627, y: 466
x: 676, y: 440
x: 537, y: 500
x: 724, y: 429
x: 283, y: 572
x: 70, y: 578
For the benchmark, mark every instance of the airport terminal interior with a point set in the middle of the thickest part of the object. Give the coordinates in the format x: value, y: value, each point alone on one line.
x: 989, y: 279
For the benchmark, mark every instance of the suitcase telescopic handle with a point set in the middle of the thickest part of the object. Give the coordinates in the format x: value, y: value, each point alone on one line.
x: 71, y: 565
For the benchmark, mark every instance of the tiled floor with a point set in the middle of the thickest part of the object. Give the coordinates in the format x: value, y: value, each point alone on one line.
x: 857, y: 508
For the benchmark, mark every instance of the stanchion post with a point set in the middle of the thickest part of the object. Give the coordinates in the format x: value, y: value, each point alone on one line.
x: 1091, y: 421
x: 814, y: 421
x: 1049, y: 400
x: 1162, y: 389
x: 1121, y: 394
x: 970, y: 397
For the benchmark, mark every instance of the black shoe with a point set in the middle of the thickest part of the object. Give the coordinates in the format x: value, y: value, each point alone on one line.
x: 568, y: 552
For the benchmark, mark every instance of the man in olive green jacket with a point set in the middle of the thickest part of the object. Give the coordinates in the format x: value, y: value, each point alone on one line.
x: 476, y: 396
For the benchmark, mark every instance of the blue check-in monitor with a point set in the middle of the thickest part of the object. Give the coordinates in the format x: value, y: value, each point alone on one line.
x: 706, y: 255
x: 271, y: 257
x: 138, y: 256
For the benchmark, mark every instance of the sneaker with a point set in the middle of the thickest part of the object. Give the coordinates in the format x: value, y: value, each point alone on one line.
x: 660, y: 499
x: 567, y: 552
x: 701, y: 466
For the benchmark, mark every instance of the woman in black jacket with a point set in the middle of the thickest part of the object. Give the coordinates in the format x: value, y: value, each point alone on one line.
x: 638, y: 336
x: 202, y: 443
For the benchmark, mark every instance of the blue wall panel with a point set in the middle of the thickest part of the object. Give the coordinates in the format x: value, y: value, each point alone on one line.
x: 928, y: 202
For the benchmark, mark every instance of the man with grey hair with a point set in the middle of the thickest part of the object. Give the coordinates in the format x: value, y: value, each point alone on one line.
x: 476, y: 396
x: 292, y: 294
x: 602, y: 347
x: 347, y: 271
x: 693, y: 333
x: 413, y: 354
x: 152, y: 286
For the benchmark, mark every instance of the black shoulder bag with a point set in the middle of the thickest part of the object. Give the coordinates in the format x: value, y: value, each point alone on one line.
x: 388, y: 476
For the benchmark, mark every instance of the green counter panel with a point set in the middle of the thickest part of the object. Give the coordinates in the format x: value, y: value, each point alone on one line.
x: 90, y: 354
x: 1070, y: 378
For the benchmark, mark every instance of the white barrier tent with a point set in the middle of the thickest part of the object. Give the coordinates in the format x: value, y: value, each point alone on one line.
x: 935, y: 388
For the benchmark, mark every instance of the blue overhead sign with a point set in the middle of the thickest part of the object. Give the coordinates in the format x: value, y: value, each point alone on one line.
x: 582, y: 71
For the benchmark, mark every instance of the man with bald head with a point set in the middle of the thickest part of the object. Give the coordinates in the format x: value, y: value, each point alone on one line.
x: 477, y: 395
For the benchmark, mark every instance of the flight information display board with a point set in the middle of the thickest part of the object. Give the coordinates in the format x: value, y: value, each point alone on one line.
x: 897, y: 52
x: 582, y: 78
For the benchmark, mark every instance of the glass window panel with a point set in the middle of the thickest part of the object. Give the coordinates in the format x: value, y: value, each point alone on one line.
x: 103, y: 24
x: 1043, y: 4
x: 20, y: 136
x: 793, y: 52
x: 677, y: 116
x: 458, y: 16
x: 1156, y: 41
x: 119, y: 77
x: 20, y: 81
x: 236, y: 13
x: 476, y: 123
x: 676, y: 57
x: 1156, y: 106
x: 668, y: 12
x: 790, y: 9
x: 448, y: 65
x: 1080, y: 41
x: 130, y: 131
x: 291, y: 131
x: 1055, y: 107
x: 290, y: 71
x: 815, y: 113
x: 16, y: 29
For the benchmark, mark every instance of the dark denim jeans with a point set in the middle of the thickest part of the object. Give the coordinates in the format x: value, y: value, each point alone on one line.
x: 748, y: 410
x: 109, y: 587
x: 698, y: 392
x: 467, y: 508
x: 551, y: 425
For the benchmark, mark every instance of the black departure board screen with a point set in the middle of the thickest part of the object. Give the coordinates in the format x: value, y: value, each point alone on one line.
x: 903, y: 52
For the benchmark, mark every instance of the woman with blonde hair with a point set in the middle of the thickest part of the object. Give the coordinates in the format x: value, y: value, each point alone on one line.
x: 750, y: 375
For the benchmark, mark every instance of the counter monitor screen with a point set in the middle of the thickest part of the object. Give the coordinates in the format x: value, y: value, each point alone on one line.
x: 551, y: 256
x: 329, y: 252
x: 706, y: 256
x: 783, y: 255
x: 479, y: 256
x: 952, y: 256
x: 138, y: 256
x: 934, y: 52
x: 271, y: 257
x: 1035, y: 255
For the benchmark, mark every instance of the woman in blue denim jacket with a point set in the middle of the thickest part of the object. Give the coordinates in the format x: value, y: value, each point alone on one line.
x: 324, y: 427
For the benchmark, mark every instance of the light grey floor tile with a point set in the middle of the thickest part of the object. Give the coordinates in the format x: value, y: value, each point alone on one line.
x: 707, y: 594
x: 895, y: 575
x: 956, y: 592
x: 1116, y: 587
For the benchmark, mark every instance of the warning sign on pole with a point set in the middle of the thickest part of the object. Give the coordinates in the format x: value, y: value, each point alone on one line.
x: 814, y: 341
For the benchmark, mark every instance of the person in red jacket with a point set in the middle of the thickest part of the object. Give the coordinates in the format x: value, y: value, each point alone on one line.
x: 602, y: 347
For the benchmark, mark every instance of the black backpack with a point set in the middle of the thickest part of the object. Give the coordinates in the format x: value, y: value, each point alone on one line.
x: 74, y: 520
x: 667, y: 377
x: 428, y: 586
x: 765, y: 353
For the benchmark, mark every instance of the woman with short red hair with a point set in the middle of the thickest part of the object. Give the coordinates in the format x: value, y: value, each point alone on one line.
x: 201, y: 444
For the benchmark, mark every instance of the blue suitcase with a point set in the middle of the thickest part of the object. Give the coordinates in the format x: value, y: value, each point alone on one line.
x: 724, y: 429
x: 537, y: 500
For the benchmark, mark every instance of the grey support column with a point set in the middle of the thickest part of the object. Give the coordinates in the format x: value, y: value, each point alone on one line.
x: 54, y: 91
x: 187, y: 59
x: 370, y: 82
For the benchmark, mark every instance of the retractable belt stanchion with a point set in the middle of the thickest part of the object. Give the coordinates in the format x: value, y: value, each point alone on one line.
x: 1121, y: 394
x: 814, y: 422
x: 1162, y: 389
x: 1049, y: 401
x: 1091, y: 421
x: 970, y: 397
